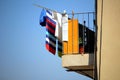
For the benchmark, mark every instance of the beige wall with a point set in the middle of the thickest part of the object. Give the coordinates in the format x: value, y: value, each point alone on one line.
x: 110, y: 51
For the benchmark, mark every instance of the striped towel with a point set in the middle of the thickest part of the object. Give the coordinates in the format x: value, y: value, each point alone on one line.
x: 50, y: 33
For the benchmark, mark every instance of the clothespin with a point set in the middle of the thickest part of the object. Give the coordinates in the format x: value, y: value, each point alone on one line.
x: 64, y: 13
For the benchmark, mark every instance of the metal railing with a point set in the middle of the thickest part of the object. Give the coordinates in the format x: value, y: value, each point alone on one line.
x: 86, y: 31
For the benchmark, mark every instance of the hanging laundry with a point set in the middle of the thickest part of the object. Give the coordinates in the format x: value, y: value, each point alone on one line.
x: 58, y: 32
x: 64, y: 26
x: 52, y: 21
x: 50, y: 32
x: 72, y: 45
x: 59, y: 48
x: 46, y: 20
x: 42, y: 20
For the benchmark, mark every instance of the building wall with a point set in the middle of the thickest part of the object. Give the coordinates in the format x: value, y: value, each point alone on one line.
x: 110, y: 50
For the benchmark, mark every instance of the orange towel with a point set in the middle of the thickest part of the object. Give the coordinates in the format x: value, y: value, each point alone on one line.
x: 72, y: 45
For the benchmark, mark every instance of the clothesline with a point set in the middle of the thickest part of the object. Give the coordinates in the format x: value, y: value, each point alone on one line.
x: 45, y: 8
x: 61, y: 12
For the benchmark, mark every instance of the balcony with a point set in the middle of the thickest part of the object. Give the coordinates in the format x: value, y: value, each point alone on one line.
x: 78, y: 51
x: 82, y: 64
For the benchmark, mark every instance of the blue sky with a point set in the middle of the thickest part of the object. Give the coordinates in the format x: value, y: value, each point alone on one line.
x: 22, y: 40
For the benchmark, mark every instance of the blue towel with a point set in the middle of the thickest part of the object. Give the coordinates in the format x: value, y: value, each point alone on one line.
x: 42, y: 20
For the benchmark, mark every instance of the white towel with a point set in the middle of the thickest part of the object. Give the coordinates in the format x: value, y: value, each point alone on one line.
x: 65, y: 27
x: 58, y: 30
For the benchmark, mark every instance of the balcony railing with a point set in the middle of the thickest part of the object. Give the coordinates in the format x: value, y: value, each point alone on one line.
x: 81, y: 34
